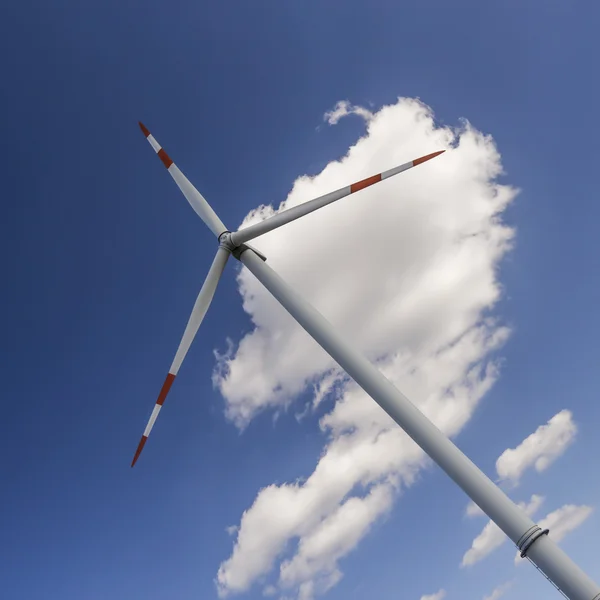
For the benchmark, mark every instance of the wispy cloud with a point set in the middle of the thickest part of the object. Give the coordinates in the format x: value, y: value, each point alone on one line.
x: 417, y: 310
x: 437, y: 596
x: 342, y: 109
x: 562, y: 521
x: 493, y: 537
x: 540, y: 449
x: 498, y: 592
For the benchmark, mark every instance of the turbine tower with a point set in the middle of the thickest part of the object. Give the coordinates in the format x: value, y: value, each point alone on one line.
x: 533, y: 542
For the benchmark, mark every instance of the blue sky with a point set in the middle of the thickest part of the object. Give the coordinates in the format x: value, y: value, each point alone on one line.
x: 102, y: 260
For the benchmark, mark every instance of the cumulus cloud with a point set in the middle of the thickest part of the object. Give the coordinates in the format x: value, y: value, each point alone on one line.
x: 562, y: 521
x: 493, y: 537
x: 407, y: 270
x: 437, y: 596
x: 540, y: 449
x: 499, y: 591
x: 342, y: 109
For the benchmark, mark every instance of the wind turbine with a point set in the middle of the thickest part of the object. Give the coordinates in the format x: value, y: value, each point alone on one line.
x: 533, y: 542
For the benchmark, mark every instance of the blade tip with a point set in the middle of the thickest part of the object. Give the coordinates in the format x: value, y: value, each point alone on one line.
x: 144, y: 129
x: 427, y: 157
x: 138, y: 450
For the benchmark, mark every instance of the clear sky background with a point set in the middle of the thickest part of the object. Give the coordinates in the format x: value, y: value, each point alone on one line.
x: 102, y: 259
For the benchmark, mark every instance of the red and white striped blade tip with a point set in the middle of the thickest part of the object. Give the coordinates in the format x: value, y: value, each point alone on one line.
x: 144, y: 129
x: 139, y: 450
x: 157, y: 406
x: 427, y: 157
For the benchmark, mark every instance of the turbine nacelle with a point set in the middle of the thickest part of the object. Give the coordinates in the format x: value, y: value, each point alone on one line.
x: 226, y: 241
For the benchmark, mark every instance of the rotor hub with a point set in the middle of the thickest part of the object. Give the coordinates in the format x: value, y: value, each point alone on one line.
x: 225, y: 241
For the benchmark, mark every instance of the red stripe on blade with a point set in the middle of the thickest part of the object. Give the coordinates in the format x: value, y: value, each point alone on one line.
x: 139, y: 450
x: 423, y: 159
x: 165, y: 158
x: 361, y: 185
x: 165, y: 388
x: 143, y: 128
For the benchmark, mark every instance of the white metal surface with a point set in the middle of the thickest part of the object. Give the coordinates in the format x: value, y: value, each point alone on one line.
x: 562, y: 571
x: 197, y: 201
x: 396, y: 170
x: 201, y: 305
x: 155, y: 145
x: 152, y: 419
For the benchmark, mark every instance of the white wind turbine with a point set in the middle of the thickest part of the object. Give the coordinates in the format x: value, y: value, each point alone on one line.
x: 533, y: 542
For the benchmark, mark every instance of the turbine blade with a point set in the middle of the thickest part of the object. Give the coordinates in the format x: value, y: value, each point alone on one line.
x: 244, y: 235
x: 194, y: 197
x: 200, y: 307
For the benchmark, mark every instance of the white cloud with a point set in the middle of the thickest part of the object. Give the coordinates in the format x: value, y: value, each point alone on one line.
x: 499, y: 591
x: 437, y: 596
x: 337, y: 534
x: 406, y: 270
x: 565, y: 519
x: 342, y: 109
x: 540, y: 449
x: 562, y: 521
x: 493, y: 537
x: 490, y: 538
x: 323, y: 387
